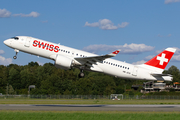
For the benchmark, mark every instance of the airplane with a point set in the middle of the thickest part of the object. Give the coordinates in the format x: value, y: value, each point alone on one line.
x: 66, y: 58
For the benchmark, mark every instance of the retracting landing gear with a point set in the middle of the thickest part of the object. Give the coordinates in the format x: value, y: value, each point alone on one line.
x: 81, y: 74
x: 15, y: 57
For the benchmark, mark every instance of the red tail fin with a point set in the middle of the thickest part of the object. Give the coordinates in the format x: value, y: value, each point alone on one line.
x: 162, y: 59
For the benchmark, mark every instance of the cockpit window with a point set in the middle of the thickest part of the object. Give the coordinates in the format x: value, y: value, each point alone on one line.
x: 16, y: 38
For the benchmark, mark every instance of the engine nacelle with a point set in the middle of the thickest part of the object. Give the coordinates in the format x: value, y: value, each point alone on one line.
x: 63, y: 62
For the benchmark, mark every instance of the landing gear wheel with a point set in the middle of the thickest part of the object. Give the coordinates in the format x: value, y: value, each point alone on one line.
x: 81, y: 75
x: 15, y: 57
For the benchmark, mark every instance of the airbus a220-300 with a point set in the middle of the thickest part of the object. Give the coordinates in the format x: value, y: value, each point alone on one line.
x: 66, y: 58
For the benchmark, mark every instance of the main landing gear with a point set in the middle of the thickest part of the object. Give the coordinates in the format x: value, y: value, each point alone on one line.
x: 81, y: 74
x: 15, y: 57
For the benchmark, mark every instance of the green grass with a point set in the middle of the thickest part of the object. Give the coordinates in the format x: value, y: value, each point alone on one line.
x: 40, y: 115
x: 99, y: 101
x: 89, y: 115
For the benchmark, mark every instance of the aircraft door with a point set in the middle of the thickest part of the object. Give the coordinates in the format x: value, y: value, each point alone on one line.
x: 135, y: 71
x: 27, y: 42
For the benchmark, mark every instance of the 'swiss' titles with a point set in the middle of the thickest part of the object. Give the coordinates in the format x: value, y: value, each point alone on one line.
x: 46, y: 46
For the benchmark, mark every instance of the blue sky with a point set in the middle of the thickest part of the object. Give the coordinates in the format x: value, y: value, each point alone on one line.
x: 139, y: 28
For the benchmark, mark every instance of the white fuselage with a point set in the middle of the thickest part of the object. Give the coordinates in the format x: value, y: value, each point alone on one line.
x: 107, y: 66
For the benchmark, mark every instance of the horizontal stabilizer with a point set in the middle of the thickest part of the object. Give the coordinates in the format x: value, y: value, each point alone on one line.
x: 160, y: 75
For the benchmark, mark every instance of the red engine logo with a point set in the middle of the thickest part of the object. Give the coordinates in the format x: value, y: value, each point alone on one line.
x: 46, y: 46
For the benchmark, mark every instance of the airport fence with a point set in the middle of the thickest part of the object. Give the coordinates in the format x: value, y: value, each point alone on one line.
x: 124, y: 97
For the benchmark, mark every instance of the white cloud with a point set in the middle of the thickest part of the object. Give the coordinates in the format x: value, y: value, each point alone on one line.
x: 177, y: 51
x: 176, y: 58
x: 169, y: 35
x: 1, y: 51
x: 32, y: 14
x: 139, y: 62
x: 136, y: 48
x: 149, y: 57
x: 123, y: 24
x: 96, y: 24
x: 125, y: 49
x: 4, y: 13
x: 5, y: 61
x: 106, y: 24
x: 171, y: 1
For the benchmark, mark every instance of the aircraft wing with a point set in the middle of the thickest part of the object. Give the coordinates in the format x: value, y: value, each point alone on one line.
x: 88, y: 61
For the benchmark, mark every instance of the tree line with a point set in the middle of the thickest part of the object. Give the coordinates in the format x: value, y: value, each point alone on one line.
x: 48, y: 80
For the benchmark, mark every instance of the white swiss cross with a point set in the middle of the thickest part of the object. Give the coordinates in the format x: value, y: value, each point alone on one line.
x: 162, y: 59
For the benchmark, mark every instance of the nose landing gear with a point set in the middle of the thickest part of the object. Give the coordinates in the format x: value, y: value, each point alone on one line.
x: 81, y: 74
x: 15, y: 57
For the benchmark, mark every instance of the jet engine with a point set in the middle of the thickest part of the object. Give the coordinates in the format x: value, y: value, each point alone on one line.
x: 63, y: 62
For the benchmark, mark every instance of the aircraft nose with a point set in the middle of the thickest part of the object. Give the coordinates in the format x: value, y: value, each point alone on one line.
x: 7, y: 42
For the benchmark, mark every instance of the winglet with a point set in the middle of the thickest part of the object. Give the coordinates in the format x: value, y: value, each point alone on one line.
x: 115, y: 53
